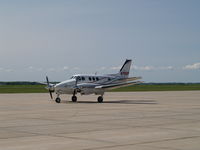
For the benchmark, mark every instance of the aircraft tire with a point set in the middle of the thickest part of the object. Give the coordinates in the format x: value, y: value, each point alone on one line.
x: 74, y: 98
x: 100, y: 99
x: 57, y: 100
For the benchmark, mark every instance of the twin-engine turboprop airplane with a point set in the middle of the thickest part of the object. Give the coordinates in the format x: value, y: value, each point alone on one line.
x: 93, y: 84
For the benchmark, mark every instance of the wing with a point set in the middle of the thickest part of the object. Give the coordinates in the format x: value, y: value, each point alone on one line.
x: 44, y: 83
x: 117, y: 85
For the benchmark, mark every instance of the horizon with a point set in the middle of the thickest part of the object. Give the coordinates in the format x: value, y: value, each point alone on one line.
x: 40, y: 82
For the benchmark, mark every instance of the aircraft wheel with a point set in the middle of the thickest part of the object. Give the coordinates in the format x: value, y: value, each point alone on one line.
x: 57, y: 100
x: 100, y: 99
x: 74, y: 98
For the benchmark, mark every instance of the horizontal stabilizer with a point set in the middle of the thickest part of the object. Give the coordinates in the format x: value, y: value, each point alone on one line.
x: 131, y: 79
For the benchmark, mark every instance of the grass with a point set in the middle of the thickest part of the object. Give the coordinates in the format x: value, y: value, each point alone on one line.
x: 159, y: 87
x: 142, y: 87
x: 22, y: 89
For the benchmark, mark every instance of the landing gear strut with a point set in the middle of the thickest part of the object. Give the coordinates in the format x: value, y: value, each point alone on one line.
x: 100, y: 99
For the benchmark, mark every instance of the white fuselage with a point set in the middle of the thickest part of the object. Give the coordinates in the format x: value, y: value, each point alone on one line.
x: 93, y: 84
x: 88, y: 81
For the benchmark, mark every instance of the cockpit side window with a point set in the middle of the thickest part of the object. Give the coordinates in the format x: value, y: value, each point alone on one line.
x: 78, y: 78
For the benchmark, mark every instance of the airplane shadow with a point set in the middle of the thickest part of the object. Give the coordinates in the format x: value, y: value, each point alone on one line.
x: 118, y: 102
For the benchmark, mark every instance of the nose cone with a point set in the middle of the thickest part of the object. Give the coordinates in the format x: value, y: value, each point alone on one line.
x: 64, y: 86
x: 66, y: 83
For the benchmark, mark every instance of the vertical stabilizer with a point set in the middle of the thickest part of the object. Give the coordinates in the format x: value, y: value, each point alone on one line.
x: 124, y: 71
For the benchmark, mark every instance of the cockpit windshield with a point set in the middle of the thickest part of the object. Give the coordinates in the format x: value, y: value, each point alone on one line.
x: 78, y: 78
x: 72, y: 77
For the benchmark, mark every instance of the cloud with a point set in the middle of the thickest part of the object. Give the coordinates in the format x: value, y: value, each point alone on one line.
x: 151, y: 68
x: 103, y: 68
x: 143, y: 68
x: 65, y: 68
x: 166, y: 68
x: 51, y: 69
x: 194, y: 66
x: 116, y: 68
x: 146, y: 68
x: 76, y: 68
x: 30, y: 67
x: 33, y: 69
x: 6, y: 69
x: 9, y: 70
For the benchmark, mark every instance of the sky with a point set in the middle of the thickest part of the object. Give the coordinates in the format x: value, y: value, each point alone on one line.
x: 60, y: 38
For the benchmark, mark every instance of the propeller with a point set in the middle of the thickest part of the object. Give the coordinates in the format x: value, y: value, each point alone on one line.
x: 49, y: 87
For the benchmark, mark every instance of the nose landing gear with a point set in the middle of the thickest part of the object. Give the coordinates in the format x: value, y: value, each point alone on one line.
x: 58, y: 100
x: 74, y: 98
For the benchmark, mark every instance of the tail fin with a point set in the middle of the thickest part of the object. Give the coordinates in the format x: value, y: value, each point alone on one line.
x: 124, y: 71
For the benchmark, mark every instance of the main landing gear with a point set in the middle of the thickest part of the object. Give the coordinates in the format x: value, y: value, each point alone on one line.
x: 100, y: 99
x: 74, y: 98
x: 58, y: 100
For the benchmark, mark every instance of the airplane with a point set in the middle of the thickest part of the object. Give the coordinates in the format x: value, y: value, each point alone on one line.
x: 92, y: 84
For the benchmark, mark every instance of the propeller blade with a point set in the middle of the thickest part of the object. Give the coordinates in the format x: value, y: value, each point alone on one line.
x: 47, y: 80
x: 50, y: 94
x: 49, y: 87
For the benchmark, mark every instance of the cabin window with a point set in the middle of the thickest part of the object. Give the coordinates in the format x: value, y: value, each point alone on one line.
x: 93, y: 78
x: 83, y: 78
x: 109, y: 79
x: 90, y: 78
x: 97, y: 78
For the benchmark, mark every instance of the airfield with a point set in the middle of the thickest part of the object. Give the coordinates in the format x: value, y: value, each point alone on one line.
x: 126, y: 120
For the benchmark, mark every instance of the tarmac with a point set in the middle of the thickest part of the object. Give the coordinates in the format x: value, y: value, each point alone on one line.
x: 126, y: 120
